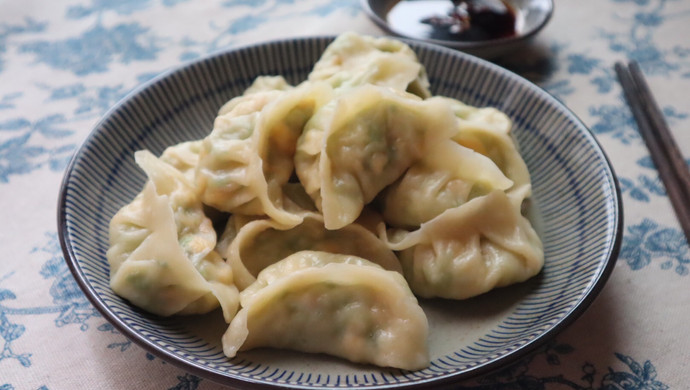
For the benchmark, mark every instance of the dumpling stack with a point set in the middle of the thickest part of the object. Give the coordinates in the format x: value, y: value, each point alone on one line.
x: 346, y: 197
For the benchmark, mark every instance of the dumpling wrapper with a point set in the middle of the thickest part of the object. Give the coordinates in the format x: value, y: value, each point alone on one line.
x: 184, y: 157
x: 362, y: 141
x: 487, y: 131
x: 262, y: 85
x: 469, y: 250
x: 340, y: 305
x: 446, y: 177
x: 161, y: 254
x: 223, y: 174
x: 257, y: 244
x: 353, y: 60
x: 247, y: 160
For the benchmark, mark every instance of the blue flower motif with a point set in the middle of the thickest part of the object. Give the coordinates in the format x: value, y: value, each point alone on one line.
x: 635, y: 192
x: 14, y: 124
x: 172, y: 3
x: 9, y: 332
x: 144, y: 77
x: 639, y: 41
x: 350, y: 6
x: 615, y: 120
x: 648, y: 240
x: 649, y: 19
x: 246, y: 23
x: 671, y: 114
x: 100, y: 99
x: 17, y: 154
x: 7, y: 101
x: 6, y: 31
x: 518, y: 376
x: 651, y: 59
x: 653, y: 185
x: 559, y: 89
x: 92, y: 101
x: 122, y: 345
x: 74, y: 307
x: 646, y: 185
x: 96, y: 49
x: 122, y: 7
x: 108, y: 327
x: 67, y: 91
x: 189, y: 55
x: 646, y: 162
x: 581, y: 64
x: 249, y: 3
x: 187, y: 382
x: 605, y: 82
x: 642, y: 377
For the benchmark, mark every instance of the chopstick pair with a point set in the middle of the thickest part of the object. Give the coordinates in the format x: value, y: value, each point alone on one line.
x: 664, y: 151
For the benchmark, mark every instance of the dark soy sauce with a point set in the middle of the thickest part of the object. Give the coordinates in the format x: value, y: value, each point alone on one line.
x: 473, y: 20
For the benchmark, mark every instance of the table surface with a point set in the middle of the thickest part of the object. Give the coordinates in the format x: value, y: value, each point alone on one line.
x: 63, y: 63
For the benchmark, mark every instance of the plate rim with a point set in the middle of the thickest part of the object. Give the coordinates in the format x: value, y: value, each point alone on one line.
x: 597, y: 283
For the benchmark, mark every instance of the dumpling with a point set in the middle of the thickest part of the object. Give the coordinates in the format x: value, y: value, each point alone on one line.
x: 224, y: 172
x: 184, y: 157
x: 261, y: 86
x: 161, y: 254
x: 363, y: 141
x: 232, y: 226
x: 353, y: 60
x: 268, y: 83
x: 487, y: 118
x: 257, y: 244
x: 446, y: 177
x: 335, y: 304
x: 470, y: 249
x: 247, y: 159
x: 487, y: 131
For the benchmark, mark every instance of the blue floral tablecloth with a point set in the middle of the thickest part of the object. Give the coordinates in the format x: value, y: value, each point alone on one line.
x: 63, y: 63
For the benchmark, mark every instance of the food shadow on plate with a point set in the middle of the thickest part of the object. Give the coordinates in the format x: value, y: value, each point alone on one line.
x: 452, y: 325
x: 211, y: 327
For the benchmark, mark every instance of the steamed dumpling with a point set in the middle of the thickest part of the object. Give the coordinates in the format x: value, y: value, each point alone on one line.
x: 488, y: 131
x: 469, y: 250
x: 248, y: 158
x: 353, y: 60
x: 268, y: 83
x: 224, y: 172
x: 446, y: 177
x: 363, y: 141
x: 161, y: 254
x: 184, y: 157
x: 261, y: 86
x: 257, y: 244
x: 335, y: 304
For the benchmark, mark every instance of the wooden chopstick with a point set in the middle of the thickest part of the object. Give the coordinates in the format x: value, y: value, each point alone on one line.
x: 667, y: 158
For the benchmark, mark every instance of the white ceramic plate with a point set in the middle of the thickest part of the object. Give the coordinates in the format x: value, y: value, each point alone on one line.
x: 576, y: 208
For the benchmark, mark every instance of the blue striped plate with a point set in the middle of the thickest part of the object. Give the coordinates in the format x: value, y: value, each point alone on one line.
x: 576, y: 208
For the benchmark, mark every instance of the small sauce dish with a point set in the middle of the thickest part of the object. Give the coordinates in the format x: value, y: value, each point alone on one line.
x: 484, y: 28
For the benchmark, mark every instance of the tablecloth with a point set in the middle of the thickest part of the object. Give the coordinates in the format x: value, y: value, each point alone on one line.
x: 63, y: 63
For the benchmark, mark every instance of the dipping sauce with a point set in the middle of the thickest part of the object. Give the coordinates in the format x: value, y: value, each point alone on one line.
x: 461, y: 20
